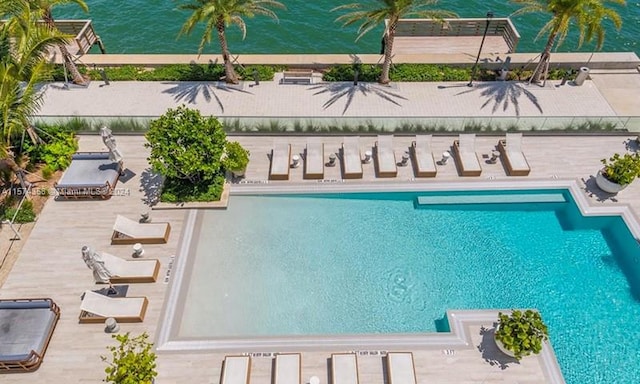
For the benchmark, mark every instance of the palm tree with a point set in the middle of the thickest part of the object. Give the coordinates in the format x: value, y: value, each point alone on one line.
x: 586, y: 15
x: 46, y: 7
x: 218, y: 15
x: 24, y: 45
x: 376, y: 12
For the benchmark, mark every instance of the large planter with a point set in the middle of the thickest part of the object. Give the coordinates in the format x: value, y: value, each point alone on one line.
x: 607, y: 185
x: 504, y: 349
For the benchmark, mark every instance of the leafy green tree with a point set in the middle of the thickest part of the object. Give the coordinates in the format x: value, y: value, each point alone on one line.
x: 586, y: 15
x: 186, y: 148
x: 132, y: 361
x: 375, y: 12
x: 218, y: 15
x: 46, y: 9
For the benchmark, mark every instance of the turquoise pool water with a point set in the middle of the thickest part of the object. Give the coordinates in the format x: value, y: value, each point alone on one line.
x: 380, y: 263
x: 148, y: 26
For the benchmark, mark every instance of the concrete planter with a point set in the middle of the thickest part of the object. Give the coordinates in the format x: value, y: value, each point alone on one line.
x: 607, y: 185
x: 504, y: 349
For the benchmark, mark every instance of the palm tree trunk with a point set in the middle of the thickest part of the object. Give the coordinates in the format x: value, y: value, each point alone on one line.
x: 543, y: 66
x: 230, y: 73
x: 66, y: 55
x: 388, y: 50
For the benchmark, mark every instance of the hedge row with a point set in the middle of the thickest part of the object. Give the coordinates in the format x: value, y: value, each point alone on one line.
x: 366, y: 73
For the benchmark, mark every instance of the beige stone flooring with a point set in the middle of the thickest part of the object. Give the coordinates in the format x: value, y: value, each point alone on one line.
x: 50, y: 264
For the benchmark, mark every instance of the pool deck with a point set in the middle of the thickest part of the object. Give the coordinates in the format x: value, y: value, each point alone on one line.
x: 50, y: 263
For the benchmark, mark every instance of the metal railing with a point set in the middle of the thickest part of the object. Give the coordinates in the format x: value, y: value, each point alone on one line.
x: 460, y: 27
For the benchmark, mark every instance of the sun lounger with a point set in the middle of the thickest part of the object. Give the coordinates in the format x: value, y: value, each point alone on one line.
x: 127, y: 231
x: 288, y: 369
x: 26, y: 327
x: 314, y: 159
x: 400, y: 368
x: 512, y: 156
x: 131, y: 271
x: 351, y: 159
x: 96, y: 308
x: 385, y: 157
x: 90, y: 175
x: 344, y: 368
x: 236, y: 370
x: 424, y: 164
x: 280, y: 161
x: 466, y: 157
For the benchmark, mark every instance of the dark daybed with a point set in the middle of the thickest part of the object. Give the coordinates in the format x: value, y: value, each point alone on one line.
x: 90, y: 175
x: 26, y: 326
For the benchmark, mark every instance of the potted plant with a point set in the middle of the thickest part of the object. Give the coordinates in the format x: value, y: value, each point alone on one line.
x: 236, y: 158
x: 132, y: 361
x: 520, y: 333
x: 618, y: 172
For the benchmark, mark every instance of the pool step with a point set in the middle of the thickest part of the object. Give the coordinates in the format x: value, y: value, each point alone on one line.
x: 493, y: 199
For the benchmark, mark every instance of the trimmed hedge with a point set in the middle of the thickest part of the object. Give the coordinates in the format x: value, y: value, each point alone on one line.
x: 345, y: 72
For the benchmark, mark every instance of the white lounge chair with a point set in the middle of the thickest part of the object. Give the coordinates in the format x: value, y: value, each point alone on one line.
x: 96, y: 308
x: 131, y: 271
x: 288, y: 369
x: 400, y: 368
x: 314, y: 159
x: 385, y: 157
x: 127, y: 231
x: 424, y: 164
x: 464, y: 149
x: 351, y: 159
x: 236, y: 370
x: 511, y: 152
x: 280, y: 161
x: 344, y: 368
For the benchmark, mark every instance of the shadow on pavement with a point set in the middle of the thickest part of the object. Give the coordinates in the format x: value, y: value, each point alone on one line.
x: 348, y: 91
x: 188, y: 91
x: 490, y: 352
x: 505, y: 94
x: 150, y: 185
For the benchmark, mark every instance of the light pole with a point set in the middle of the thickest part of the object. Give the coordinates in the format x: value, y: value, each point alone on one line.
x: 484, y: 35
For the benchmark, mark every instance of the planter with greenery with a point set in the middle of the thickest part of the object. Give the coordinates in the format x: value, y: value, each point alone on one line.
x: 236, y: 158
x: 618, y: 172
x: 186, y: 149
x: 132, y: 361
x: 520, y: 333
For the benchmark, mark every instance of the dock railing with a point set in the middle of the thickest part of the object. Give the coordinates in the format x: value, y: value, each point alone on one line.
x: 460, y: 27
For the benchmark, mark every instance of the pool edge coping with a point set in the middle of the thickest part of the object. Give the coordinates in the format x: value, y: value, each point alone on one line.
x: 458, y: 319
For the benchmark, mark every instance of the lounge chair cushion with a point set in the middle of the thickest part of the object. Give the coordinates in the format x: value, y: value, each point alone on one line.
x: 127, y: 231
x: 27, y: 326
x: 287, y: 369
x: 236, y: 370
x: 351, y: 160
x: 400, y: 368
x: 344, y: 368
x: 98, y: 307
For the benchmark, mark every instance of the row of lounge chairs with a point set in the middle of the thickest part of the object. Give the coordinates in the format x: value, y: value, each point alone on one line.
x: 385, y: 161
x: 287, y: 369
x: 96, y: 307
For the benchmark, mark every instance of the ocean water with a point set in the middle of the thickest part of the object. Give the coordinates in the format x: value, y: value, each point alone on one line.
x: 152, y: 26
x: 379, y: 263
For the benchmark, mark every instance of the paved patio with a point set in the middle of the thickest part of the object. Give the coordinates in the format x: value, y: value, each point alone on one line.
x: 51, y: 266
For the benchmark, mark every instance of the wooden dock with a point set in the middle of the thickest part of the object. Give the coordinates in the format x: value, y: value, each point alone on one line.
x: 455, y: 36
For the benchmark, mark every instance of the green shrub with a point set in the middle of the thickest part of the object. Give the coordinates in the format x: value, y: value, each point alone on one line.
x: 132, y: 361
x: 25, y: 214
x: 236, y: 157
x: 59, y: 145
x: 522, y: 333
x: 47, y: 172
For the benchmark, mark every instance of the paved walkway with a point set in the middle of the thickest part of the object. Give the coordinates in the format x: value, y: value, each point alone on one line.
x: 271, y: 99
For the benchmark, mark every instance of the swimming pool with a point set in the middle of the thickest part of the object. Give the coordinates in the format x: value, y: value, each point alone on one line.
x: 371, y: 263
